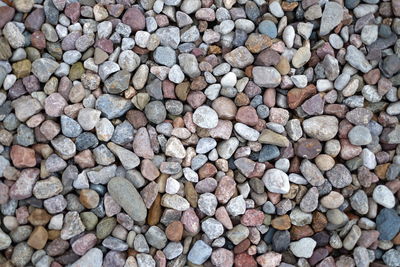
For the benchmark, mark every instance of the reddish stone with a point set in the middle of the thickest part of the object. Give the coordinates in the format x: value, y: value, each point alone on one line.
x: 252, y: 217
x: 73, y: 11
x: 252, y: 89
x: 38, y: 40
x: 222, y: 257
x: 225, y: 189
x: 85, y: 159
x: 223, y: 217
x: 349, y: 151
x: 190, y: 221
x: 168, y: 88
x: 318, y: 255
x: 22, y: 157
x: 325, y: 49
x: 298, y: 232
x: 307, y: 148
x: 337, y: 110
x: 31, y: 83
x: 22, y: 215
x: 134, y: 18
x: 149, y: 170
x: 207, y: 170
x: 242, y: 246
x: 372, y: 77
x: 267, y: 57
x: 245, y: 260
x: 161, y: 260
x: 174, y: 231
x: 247, y: 115
x: 269, y: 259
x: 84, y: 243
x: 54, y: 105
x: 196, y: 99
x: 68, y: 43
x: 296, y: 96
x: 367, y: 238
x: 269, y: 97
x: 136, y: 118
x: 105, y: 44
x: 6, y: 15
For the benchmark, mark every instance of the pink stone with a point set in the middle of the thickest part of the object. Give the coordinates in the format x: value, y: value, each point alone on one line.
x: 73, y: 11
x: 125, y: 220
x: 189, y: 124
x: 223, y: 130
x: 247, y: 115
x: 54, y: 105
x: 168, y: 88
x: 196, y: 99
x: 23, y: 187
x: 160, y: 259
x: 6, y: 14
x: 111, y: 207
x: 190, y: 221
x: 223, y: 217
x: 222, y: 257
x: 134, y: 18
x: 149, y: 170
x: 22, y: 157
x: 141, y: 144
x: 22, y: 215
x: 149, y: 194
x: 84, y: 243
x: 269, y: 97
x: 252, y: 217
x: 225, y: 189
x: 269, y: 259
x: 105, y: 44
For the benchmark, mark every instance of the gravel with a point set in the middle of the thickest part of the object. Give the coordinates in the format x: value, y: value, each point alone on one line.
x: 187, y: 132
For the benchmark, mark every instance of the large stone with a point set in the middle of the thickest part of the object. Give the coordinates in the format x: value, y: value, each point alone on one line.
x: 322, y: 127
x: 331, y: 17
x: 276, y: 181
x: 266, y: 76
x: 239, y: 57
x: 43, y: 68
x: 126, y: 195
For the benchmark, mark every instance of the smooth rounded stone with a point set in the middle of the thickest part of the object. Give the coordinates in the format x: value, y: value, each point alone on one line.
x: 369, y: 34
x: 69, y: 127
x: 383, y: 196
x: 94, y: 258
x: 266, y: 77
x: 246, y: 132
x: 236, y: 206
x: 155, y: 112
x: 311, y: 173
x: 205, y: 117
x: 175, y: 202
x: 205, y: 145
x: 269, y: 28
x: 173, y: 250
x: 5, y: 240
x: 212, y: 228
x: 322, y: 127
x: 335, y: 41
x: 352, y: 237
x: 303, y: 248
x: 333, y: 200
x: 359, y: 202
x: 126, y: 195
x: 199, y: 253
x: 309, y: 202
x: 43, y: 68
x: 276, y: 181
x: 280, y: 240
x: 388, y: 224
x: 360, y: 136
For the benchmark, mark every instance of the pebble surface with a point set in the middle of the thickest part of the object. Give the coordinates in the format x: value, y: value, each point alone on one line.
x: 227, y: 133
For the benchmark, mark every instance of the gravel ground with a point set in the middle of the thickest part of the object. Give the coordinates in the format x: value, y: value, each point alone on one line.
x: 155, y: 133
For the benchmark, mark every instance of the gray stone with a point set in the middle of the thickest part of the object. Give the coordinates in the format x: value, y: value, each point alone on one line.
x: 199, y: 253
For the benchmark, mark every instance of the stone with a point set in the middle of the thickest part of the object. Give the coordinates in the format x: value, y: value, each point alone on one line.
x: 276, y: 181
x: 72, y: 226
x: 199, y: 253
x: 322, y: 127
x: 205, y: 117
x: 266, y: 76
x: 388, y: 224
x: 43, y: 68
x: 331, y: 17
x: 94, y: 258
x: 239, y: 57
x: 125, y: 194
x: 383, y: 196
x: 303, y: 248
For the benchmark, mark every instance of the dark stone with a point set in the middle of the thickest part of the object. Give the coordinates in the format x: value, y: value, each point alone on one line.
x: 268, y: 152
x: 86, y: 140
x: 388, y: 224
x: 281, y: 241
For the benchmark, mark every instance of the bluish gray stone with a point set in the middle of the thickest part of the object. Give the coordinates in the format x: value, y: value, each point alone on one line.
x: 199, y: 253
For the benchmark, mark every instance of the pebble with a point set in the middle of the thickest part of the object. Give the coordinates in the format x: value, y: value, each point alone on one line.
x: 303, y: 248
x: 383, y: 196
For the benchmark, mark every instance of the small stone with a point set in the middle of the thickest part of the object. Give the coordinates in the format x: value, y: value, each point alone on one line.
x: 199, y: 253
